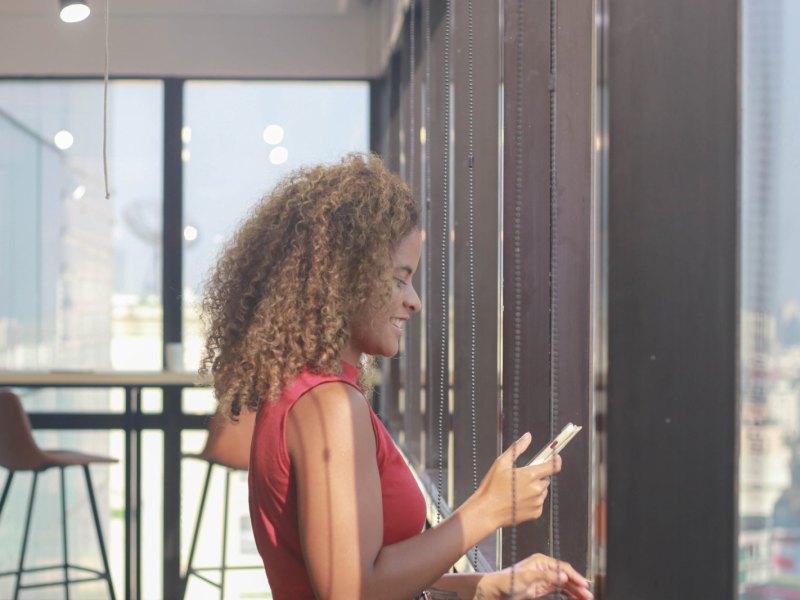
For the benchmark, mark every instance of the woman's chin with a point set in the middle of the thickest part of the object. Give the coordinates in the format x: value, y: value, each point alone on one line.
x: 389, y: 352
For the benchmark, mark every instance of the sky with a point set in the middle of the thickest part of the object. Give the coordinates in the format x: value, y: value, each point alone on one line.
x: 788, y: 228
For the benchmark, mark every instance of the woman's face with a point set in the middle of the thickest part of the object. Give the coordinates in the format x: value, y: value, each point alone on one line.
x: 377, y: 331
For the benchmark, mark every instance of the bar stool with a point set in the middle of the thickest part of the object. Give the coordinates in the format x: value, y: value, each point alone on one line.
x: 19, y: 452
x: 227, y: 446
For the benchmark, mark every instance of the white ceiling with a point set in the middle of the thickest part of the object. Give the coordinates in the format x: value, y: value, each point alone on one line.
x: 188, y: 8
x: 202, y: 38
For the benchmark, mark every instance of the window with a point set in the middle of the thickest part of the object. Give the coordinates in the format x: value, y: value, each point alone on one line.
x: 769, y: 461
x: 239, y: 139
x: 86, y: 269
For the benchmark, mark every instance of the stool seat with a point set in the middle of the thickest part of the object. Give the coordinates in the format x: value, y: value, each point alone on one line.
x: 20, y: 452
x: 66, y: 458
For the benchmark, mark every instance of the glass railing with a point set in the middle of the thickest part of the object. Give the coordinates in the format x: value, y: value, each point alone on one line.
x: 147, y: 501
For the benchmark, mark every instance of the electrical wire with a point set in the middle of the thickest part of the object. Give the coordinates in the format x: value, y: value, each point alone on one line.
x: 105, y: 107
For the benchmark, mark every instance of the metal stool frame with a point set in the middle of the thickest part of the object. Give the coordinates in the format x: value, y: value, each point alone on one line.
x: 19, y: 452
x: 227, y: 446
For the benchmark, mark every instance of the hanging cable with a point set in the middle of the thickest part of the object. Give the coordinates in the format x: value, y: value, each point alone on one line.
x: 427, y: 208
x: 516, y: 271
x: 428, y: 253
x: 412, y: 125
x: 473, y: 329
x: 554, y: 281
x: 105, y: 108
x: 443, y: 372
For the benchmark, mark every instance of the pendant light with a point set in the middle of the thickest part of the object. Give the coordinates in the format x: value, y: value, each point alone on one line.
x: 73, y: 11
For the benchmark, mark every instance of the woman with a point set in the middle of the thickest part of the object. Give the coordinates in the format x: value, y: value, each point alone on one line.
x: 315, y: 283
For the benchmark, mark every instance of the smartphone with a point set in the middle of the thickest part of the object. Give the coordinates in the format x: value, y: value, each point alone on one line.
x: 556, y: 444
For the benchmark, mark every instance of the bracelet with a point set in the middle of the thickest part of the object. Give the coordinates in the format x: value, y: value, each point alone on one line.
x: 434, y: 594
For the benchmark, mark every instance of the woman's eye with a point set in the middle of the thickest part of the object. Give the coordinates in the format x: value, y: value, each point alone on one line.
x: 400, y: 282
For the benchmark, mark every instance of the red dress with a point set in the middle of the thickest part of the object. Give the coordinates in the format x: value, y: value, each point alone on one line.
x: 273, y: 491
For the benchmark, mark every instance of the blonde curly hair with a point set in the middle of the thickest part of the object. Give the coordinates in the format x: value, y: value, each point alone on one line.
x: 312, y: 253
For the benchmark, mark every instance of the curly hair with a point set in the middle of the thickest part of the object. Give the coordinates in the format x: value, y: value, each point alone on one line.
x: 312, y: 253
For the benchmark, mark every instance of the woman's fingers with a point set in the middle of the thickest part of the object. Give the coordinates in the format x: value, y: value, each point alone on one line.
x: 516, y: 449
x: 529, y: 483
x: 576, y: 592
x: 537, y: 576
x: 544, y: 583
x: 572, y: 583
x: 569, y: 571
x: 551, y: 467
x: 530, y: 497
x: 554, y: 574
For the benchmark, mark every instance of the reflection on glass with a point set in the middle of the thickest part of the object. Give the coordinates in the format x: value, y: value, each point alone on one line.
x: 769, y: 467
x: 85, y: 270
x: 599, y: 319
x: 235, y: 159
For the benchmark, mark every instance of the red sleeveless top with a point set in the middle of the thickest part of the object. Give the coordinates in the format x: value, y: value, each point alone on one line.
x: 273, y: 492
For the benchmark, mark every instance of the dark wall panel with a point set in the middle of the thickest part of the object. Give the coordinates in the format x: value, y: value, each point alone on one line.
x: 438, y: 143
x: 571, y: 226
x: 475, y: 298
x: 526, y: 199
x: 672, y: 296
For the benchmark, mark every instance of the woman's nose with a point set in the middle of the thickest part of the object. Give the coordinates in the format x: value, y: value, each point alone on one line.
x: 412, y: 301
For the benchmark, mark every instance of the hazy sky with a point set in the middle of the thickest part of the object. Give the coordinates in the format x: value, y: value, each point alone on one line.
x: 788, y: 234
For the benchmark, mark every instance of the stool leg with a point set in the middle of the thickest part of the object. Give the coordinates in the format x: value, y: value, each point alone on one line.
x: 5, y: 491
x: 64, y: 533
x: 225, y: 535
x: 25, y: 535
x: 89, y: 486
x: 196, y: 530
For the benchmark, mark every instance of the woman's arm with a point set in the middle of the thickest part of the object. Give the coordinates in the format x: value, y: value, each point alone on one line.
x: 332, y: 446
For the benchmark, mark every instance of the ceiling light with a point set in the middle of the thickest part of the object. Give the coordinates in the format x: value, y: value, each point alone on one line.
x: 278, y: 155
x: 273, y: 134
x: 190, y: 233
x: 63, y: 139
x: 73, y: 11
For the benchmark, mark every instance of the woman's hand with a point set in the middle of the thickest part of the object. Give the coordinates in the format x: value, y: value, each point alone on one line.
x: 534, y: 577
x: 514, y: 495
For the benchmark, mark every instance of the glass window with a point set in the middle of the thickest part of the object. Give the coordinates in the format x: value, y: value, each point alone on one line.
x: 769, y: 467
x: 239, y: 139
x: 86, y: 270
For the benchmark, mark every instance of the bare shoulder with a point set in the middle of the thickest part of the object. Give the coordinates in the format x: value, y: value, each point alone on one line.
x: 329, y: 399
x: 330, y: 416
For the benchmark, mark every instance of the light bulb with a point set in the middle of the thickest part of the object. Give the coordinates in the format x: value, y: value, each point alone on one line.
x: 278, y: 155
x: 73, y: 11
x: 273, y: 134
x: 63, y: 139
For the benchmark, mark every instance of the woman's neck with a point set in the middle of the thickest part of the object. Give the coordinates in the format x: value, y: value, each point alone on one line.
x: 350, y: 355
